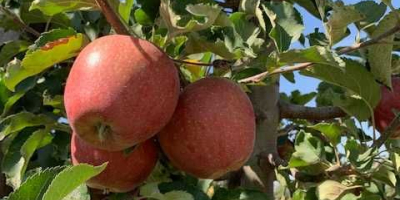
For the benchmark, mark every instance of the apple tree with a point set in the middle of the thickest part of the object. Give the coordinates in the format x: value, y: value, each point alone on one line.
x: 345, y: 147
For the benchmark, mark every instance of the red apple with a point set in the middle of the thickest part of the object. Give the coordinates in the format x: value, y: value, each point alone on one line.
x: 121, y: 91
x: 212, y: 130
x: 125, y: 170
x: 390, y: 101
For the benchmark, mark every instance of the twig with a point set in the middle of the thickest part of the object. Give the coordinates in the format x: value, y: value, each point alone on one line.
x: 192, y: 63
x: 261, y: 76
x: 292, y: 111
x: 112, y: 17
x: 18, y: 21
x: 389, y: 131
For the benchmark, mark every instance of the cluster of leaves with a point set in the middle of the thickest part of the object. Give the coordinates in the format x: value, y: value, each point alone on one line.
x: 255, y: 37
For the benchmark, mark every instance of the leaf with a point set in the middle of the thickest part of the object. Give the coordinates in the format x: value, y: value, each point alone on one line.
x: 13, y: 163
x: 60, y: 20
x: 380, y: 55
x: 281, y: 38
x: 332, y: 131
x: 371, y: 10
x: 284, y: 14
x: 11, y: 49
x: 36, y: 185
x: 243, y: 27
x: 308, y: 150
x: 395, y: 157
x: 37, y: 140
x: 317, y: 39
x: 252, y: 7
x: 304, y: 195
x: 386, y: 175
x: 355, y: 78
x: 52, y: 7
x: 314, y: 54
x: 175, y: 23
x: 147, y: 12
x: 330, y: 190
x: 340, y: 18
x: 42, y: 58
x: 19, y: 121
x: 195, y: 192
x: 238, y: 194
x: 125, y: 8
x: 71, y: 178
x: 80, y: 193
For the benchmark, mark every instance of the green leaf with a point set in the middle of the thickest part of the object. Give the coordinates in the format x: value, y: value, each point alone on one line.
x: 71, y: 178
x: 238, y: 194
x: 19, y: 121
x: 52, y: 7
x: 371, y: 10
x: 252, y: 7
x: 304, y: 195
x: 281, y: 38
x: 284, y: 14
x: 386, y: 175
x: 355, y: 78
x: 36, y: 185
x: 314, y: 54
x: 195, y: 192
x: 317, y: 38
x: 11, y: 49
x: 332, y: 131
x: 243, y: 27
x: 60, y: 20
x: 395, y: 157
x: 177, y: 26
x: 125, y: 9
x: 80, y: 193
x: 42, y: 58
x: 340, y: 18
x: 380, y: 55
x: 147, y: 12
x: 13, y: 162
x: 308, y: 150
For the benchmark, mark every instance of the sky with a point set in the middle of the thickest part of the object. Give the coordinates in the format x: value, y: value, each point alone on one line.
x: 306, y: 84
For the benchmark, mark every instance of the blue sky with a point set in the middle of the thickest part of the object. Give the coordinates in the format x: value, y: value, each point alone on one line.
x: 306, y: 84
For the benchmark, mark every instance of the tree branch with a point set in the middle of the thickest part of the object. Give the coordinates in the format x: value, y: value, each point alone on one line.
x: 112, y: 17
x: 388, y: 132
x: 261, y: 76
x: 18, y: 21
x: 292, y: 111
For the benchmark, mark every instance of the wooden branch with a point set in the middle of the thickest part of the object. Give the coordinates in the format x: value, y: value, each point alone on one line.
x: 261, y: 76
x: 292, y: 111
x: 19, y: 22
x: 112, y: 17
x: 388, y: 132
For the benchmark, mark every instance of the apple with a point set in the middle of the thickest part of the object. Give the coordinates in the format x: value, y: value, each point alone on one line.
x: 121, y: 91
x: 390, y: 101
x: 212, y: 131
x: 125, y: 169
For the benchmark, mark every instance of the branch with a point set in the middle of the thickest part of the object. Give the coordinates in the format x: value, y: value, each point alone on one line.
x: 388, y: 132
x: 261, y: 76
x: 112, y: 17
x: 292, y: 111
x: 19, y: 22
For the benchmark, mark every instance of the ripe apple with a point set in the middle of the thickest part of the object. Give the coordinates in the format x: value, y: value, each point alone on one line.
x: 390, y: 101
x: 212, y: 130
x: 125, y: 170
x: 121, y: 91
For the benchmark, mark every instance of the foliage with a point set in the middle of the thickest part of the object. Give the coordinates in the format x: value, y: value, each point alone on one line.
x: 328, y: 160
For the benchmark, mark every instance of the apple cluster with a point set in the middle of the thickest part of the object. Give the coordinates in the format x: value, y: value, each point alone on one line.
x: 123, y: 95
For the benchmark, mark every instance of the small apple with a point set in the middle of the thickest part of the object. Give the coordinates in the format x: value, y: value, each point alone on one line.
x: 121, y: 91
x: 125, y: 170
x: 390, y: 101
x: 212, y: 131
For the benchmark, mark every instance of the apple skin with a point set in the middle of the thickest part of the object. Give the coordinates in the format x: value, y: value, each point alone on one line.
x: 124, y: 172
x: 121, y: 91
x: 383, y: 112
x: 212, y: 131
